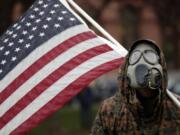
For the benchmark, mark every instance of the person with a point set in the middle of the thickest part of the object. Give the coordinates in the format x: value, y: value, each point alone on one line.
x: 16, y: 9
x: 141, y: 106
x: 85, y: 99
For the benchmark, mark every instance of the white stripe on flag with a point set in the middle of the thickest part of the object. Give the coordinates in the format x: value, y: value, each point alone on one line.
x: 56, y: 88
x: 39, y: 52
x: 46, y: 71
x: 118, y: 48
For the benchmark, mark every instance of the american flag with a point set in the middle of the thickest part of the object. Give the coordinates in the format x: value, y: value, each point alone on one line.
x: 46, y: 58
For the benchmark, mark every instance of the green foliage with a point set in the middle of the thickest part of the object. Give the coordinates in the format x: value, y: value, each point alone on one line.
x: 64, y: 122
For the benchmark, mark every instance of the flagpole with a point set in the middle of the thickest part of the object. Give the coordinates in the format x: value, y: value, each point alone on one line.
x: 176, y: 101
x: 93, y: 22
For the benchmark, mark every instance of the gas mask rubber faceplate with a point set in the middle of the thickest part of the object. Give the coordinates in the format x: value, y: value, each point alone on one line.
x: 144, y: 69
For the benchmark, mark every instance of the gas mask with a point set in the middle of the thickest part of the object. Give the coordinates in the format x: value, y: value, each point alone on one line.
x: 144, y: 70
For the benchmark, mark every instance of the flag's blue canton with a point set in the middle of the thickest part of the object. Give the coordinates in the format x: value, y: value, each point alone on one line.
x: 45, y: 19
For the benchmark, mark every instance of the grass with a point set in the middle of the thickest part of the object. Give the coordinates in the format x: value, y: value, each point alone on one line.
x: 64, y: 122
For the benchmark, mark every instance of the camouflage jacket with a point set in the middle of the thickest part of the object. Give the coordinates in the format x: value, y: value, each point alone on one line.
x: 121, y: 114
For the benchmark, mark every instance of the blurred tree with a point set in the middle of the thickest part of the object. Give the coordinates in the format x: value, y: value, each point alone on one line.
x: 168, y: 12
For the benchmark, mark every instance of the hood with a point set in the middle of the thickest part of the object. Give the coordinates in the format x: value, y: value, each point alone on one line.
x: 126, y: 92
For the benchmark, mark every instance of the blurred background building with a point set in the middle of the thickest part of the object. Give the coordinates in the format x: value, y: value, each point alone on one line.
x: 127, y: 21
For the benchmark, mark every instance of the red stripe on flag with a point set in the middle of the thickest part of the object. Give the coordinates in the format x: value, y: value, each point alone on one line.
x: 43, y: 61
x: 50, y: 80
x: 66, y: 95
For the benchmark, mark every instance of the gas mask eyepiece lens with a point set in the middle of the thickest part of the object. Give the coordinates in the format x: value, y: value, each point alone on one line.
x: 149, y: 56
x: 134, y: 58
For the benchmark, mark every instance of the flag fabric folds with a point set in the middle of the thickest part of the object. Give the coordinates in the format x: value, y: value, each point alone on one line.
x: 46, y: 58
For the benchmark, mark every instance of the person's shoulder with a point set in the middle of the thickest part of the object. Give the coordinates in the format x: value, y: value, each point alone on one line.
x: 108, y: 105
